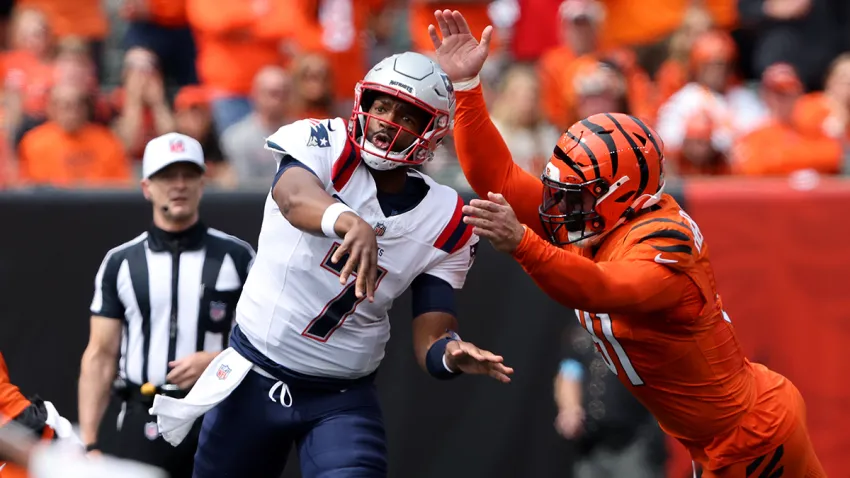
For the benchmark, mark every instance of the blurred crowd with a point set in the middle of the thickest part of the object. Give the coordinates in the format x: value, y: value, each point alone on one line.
x: 741, y: 87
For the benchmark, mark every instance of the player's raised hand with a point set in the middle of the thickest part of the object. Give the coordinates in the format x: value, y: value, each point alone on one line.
x: 360, y: 243
x: 467, y: 358
x: 458, y: 53
x: 495, y: 220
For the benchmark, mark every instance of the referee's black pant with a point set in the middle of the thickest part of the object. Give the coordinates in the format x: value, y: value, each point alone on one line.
x: 133, y: 435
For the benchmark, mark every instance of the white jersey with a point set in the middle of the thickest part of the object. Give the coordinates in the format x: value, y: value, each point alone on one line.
x: 293, y: 308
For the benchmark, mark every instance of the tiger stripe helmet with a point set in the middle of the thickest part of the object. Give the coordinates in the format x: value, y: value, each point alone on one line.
x: 605, y: 169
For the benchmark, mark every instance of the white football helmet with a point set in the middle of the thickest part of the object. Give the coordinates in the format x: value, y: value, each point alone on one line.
x: 414, y: 78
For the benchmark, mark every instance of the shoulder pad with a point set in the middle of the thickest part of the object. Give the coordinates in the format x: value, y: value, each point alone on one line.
x: 302, y: 134
x: 664, y: 240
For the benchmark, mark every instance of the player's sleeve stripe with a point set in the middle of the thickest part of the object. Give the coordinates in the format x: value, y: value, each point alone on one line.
x: 344, y: 166
x: 656, y: 220
x: 666, y: 234
x: 677, y: 248
x: 274, y: 146
x: 456, y: 233
x: 289, y: 162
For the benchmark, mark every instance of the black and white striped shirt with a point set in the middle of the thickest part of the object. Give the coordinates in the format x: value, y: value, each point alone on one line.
x: 175, y: 292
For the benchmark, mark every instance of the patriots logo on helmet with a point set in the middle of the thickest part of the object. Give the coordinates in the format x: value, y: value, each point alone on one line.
x: 318, y: 135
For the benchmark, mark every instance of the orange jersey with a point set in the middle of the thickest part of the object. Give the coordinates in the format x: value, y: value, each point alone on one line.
x: 647, y: 295
x: 12, y: 401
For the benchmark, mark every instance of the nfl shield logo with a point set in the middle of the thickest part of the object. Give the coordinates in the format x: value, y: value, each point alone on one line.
x: 218, y: 310
x: 151, y: 432
x: 380, y: 229
x: 176, y: 146
x: 223, y: 372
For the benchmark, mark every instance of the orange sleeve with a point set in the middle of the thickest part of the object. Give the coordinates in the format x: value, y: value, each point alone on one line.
x: 218, y: 17
x: 487, y: 162
x: 622, y: 286
x: 12, y: 401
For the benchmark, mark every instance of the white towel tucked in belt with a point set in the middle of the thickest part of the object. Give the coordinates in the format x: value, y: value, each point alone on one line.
x: 175, y: 418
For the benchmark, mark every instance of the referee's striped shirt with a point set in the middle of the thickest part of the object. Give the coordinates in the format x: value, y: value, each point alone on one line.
x: 176, y: 294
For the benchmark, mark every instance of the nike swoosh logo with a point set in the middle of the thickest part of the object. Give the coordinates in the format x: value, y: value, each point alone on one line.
x: 2, y: 466
x: 662, y: 260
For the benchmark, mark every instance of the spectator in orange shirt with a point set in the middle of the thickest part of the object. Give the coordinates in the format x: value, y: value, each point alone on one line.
x: 28, y: 67
x: 580, y: 23
x: 85, y: 19
x: 161, y: 26
x: 715, y: 90
x: 580, y: 20
x: 236, y: 39
x: 70, y: 150
x: 778, y: 148
x: 828, y: 112
x: 72, y: 66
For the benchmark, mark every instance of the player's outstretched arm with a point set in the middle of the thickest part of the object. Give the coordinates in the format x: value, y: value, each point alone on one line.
x: 438, y: 348
x: 576, y: 282
x: 572, y: 280
x: 303, y: 201
x: 441, y: 352
x: 482, y: 152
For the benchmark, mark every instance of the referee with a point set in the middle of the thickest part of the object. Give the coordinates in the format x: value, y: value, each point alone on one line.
x: 163, y: 308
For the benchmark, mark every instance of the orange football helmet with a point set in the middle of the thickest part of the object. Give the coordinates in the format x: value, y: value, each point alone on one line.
x: 604, y: 170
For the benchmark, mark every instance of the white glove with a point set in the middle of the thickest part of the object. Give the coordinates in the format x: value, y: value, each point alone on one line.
x: 61, y: 427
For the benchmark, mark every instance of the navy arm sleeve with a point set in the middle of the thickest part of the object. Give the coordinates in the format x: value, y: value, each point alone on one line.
x: 432, y: 294
x: 286, y: 162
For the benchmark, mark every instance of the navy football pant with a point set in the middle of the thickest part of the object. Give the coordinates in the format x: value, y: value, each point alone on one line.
x: 339, y: 434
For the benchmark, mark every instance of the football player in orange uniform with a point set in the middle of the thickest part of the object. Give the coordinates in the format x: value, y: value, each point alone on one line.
x: 15, y: 406
x: 608, y: 242
x: 36, y: 415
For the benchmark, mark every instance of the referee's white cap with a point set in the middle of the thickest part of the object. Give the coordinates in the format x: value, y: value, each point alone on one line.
x: 171, y: 148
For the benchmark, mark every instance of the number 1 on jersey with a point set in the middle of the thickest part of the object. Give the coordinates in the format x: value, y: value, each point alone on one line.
x: 341, y: 306
x: 587, y: 320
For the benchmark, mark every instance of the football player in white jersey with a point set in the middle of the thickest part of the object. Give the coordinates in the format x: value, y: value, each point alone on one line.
x: 348, y: 227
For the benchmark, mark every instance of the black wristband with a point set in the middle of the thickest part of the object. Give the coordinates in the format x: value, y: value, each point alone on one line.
x: 92, y: 447
x: 434, y: 360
